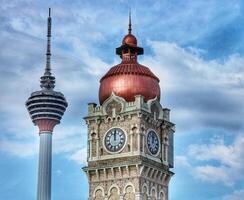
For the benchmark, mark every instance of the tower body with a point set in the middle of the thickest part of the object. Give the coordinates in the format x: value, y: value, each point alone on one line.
x: 45, y: 166
x: 130, y: 136
x: 46, y: 108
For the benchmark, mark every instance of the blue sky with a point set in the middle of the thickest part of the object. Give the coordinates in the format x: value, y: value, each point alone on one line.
x: 195, y: 47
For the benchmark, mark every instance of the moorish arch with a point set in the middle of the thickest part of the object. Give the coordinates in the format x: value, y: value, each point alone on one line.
x: 161, y: 195
x: 144, y: 192
x: 153, y: 194
x: 114, y: 192
x: 129, y: 192
x: 98, y: 193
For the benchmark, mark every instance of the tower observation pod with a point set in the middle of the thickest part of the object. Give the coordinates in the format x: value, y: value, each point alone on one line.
x: 46, y: 108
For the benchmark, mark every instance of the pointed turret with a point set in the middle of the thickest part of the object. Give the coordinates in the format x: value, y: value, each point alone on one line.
x: 129, y: 43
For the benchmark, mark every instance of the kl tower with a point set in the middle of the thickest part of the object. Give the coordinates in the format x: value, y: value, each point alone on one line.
x: 46, y: 108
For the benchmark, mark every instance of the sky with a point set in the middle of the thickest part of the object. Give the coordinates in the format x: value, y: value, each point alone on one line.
x: 196, y: 48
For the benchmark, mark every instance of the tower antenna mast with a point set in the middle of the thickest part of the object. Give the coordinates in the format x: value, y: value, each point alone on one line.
x: 48, y: 54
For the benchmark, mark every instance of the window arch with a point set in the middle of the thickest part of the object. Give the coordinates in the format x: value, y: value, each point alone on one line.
x: 153, y: 194
x: 161, y: 195
x: 98, y: 193
x: 129, y: 192
x: 114, y: 192
x: 109, y: 119
x: 118, y: 118
x: 93, y: 144
x: 144, y: 192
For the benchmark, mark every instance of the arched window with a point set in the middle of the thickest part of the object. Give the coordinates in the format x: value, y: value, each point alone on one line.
x: 114, y: 194
x: 144, y: 190
x: 161, y: 196
x: 128, y: 146
x: 93, y: 144
x: 101, y: 151
x: 109, y: 119
x: 98, y: 194
x: 129, y: 193
x: 153, y: 194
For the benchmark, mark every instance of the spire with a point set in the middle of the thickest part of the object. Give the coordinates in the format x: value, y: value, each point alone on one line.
x: 47, y: 80
x: 129, y: 43
x: 48, y: 54
x: 129, y: 28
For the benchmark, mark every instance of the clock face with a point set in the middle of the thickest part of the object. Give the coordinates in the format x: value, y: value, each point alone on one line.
x: 152, y: 142
x: 114, y: 139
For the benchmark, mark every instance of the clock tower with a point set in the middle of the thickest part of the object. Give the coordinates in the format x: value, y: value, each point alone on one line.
x: 130, y: 136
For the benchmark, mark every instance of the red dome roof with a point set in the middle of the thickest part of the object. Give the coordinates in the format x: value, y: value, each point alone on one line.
x: 127, y: 80
x: 130, y: 40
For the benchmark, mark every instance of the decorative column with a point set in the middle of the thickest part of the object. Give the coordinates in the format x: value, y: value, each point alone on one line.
x: 97, y: 147
x: 162, y: 149
x: 131, y: 141
x: 139, y: 141
x: 143, y: 142
x: 90, y: 148
x: 166, y: 152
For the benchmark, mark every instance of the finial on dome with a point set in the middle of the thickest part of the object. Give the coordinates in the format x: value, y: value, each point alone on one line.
x: 129, y: 28
x: 129, y: 42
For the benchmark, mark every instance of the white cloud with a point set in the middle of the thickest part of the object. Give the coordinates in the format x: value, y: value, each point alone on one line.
x: 237, y: 195
x: 181, y: 161
x: 218, y: 162
x: 215, y: 151
x: 19, y: 149
x: 208, y: 93
x: 213, y: 174
x: 79, y: 156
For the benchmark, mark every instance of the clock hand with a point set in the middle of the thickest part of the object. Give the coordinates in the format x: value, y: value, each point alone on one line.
x: 114, y: 135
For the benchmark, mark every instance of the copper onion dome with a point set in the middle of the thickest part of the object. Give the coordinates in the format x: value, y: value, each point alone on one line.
x: 129, y: 78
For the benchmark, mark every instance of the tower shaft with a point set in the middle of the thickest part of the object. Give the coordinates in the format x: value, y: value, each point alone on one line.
x: 45, y: 166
